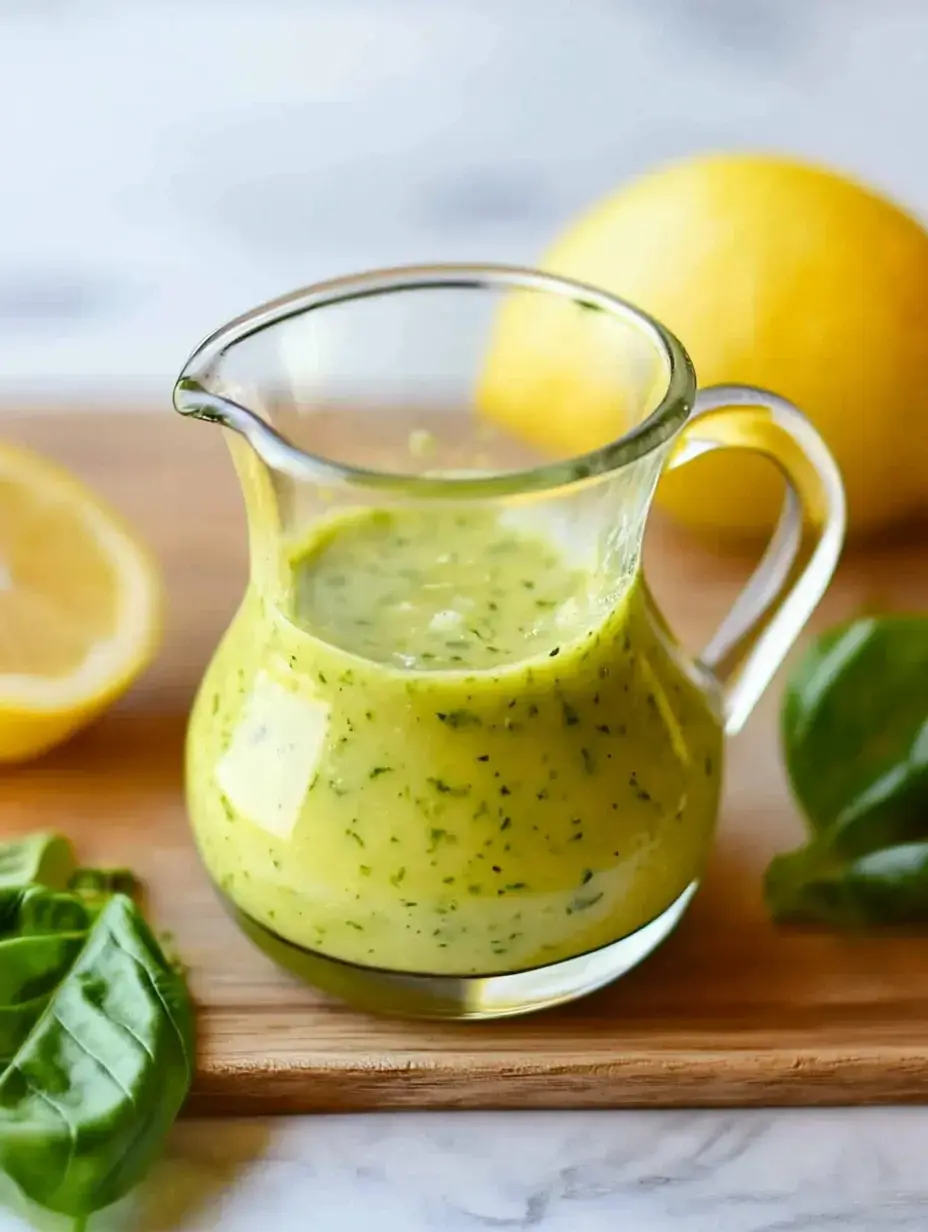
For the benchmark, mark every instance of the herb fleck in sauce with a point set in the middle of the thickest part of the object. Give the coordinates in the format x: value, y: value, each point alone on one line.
x: 391, y: 590
x: 462, y: 764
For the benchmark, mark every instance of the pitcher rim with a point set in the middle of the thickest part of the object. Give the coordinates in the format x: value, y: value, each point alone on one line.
x: 192, y: 398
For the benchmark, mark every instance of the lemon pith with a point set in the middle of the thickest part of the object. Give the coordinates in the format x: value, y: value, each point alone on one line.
x: 80, y: 604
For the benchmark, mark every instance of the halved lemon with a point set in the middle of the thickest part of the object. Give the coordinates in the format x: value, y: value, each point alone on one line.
x: 80, y: 605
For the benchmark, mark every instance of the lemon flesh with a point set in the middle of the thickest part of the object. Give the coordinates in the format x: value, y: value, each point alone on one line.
x: 80, y: 605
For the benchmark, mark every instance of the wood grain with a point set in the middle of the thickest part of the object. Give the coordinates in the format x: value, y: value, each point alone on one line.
x: 731, y: 1011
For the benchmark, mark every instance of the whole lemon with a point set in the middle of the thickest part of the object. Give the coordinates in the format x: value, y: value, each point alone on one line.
x: 772, y: 273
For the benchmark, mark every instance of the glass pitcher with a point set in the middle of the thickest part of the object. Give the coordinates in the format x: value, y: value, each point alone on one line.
x: 448, y: 759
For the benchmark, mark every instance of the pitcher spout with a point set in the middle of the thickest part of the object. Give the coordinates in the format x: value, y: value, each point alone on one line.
x: 194, y: 400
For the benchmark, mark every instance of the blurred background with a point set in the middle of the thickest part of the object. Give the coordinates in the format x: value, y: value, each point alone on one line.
x: 169, y: 163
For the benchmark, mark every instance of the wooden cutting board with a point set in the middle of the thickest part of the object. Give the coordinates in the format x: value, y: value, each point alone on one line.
x: 730, y: 1011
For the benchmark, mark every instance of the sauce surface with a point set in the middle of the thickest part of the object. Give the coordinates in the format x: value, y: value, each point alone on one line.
x: 452, y: 591
x: 444, y: 754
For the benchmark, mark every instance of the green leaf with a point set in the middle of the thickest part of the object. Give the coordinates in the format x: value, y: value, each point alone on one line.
x: 96, y: 1047
x: 41, y: 935
x: 884, y: 887
x: 855, y: 738
x: 95, y: 886
x: 93, y: 882
x: 39, y: 859
x: 96, y: 1031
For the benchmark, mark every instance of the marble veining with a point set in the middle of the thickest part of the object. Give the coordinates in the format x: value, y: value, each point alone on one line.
x: 748, y: 1171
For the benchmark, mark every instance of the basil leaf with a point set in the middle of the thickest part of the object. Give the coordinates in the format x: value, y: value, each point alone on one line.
x: 41, y: 859
x: 855, y: 738
x: 96, y: 1048
x: 95, y: 886
x: 93, y: 882
x: 884, y: 887
x: 41, y: 935
x: 855, y: 733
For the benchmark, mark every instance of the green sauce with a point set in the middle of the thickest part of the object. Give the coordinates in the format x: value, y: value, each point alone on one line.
x: 444, y: 592
x: 449, y: 752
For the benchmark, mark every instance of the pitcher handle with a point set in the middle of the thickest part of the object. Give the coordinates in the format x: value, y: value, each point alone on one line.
x: 781, y: 594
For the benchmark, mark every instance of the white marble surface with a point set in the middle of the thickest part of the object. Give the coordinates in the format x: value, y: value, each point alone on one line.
x: 765, y: 1171
x: 167, y: 163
